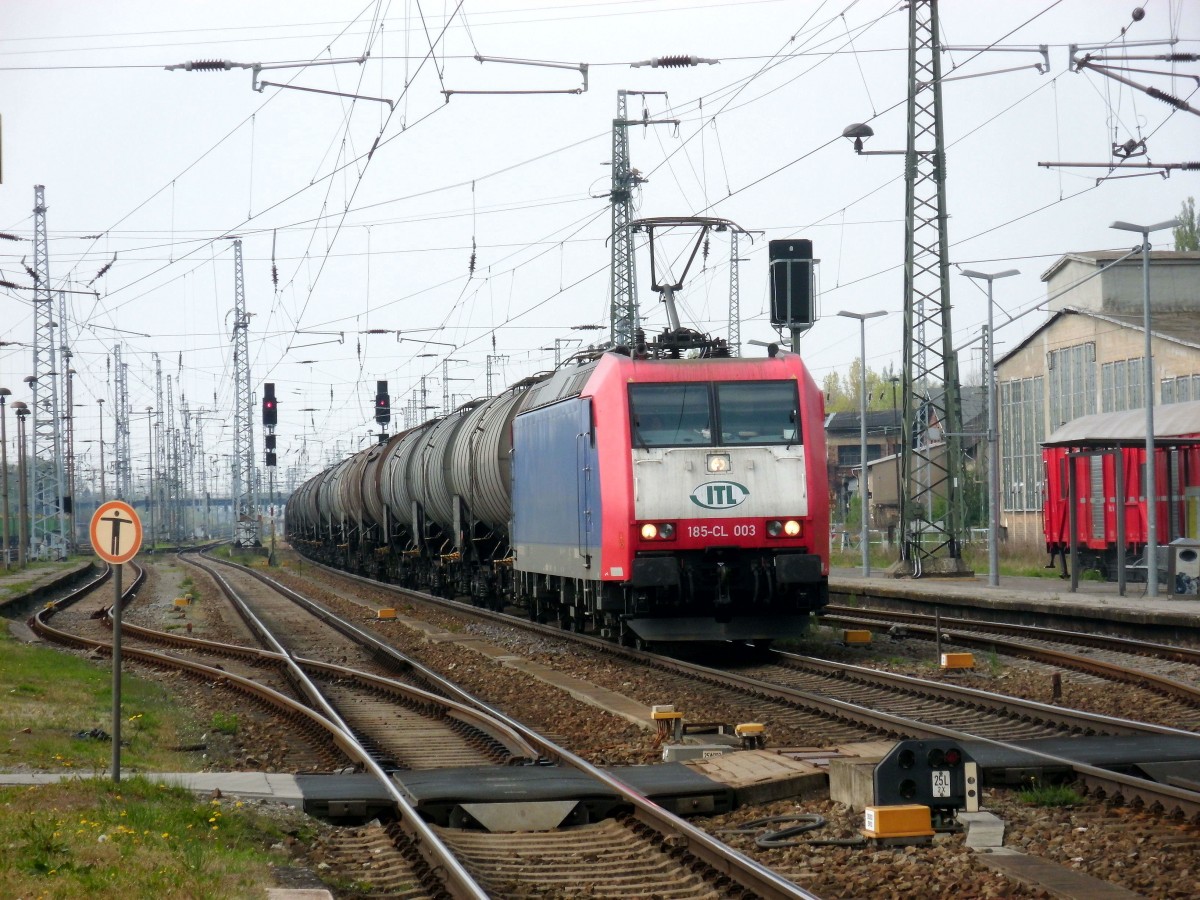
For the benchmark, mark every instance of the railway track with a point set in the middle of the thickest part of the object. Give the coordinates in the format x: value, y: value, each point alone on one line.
x: 973, y: 714
x: 1164, y: 669
x: 646, y: 849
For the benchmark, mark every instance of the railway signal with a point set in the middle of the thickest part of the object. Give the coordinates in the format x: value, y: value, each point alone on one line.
x: 937, y: 774
x: 270, y: 410
x: 383, y: 404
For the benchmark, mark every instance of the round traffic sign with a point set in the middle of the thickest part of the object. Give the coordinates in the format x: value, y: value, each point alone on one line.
x: 116, y: 532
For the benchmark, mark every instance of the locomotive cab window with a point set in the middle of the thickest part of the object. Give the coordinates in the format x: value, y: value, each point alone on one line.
x: 758, y: 412
x: 670, y: 415
x: 683, y: 414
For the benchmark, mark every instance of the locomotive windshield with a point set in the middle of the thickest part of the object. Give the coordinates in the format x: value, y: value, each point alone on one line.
x: 682, y: 414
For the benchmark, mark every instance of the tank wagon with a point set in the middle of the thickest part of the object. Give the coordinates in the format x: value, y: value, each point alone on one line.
x: 648, y: 500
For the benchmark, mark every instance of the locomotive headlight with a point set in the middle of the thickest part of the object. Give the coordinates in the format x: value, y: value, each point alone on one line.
x: 718, y: 462
x: 784, y: 528
x: 649, y: 531
x: 666, y: 531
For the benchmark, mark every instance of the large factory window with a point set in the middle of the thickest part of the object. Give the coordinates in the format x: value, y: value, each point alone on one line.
x: 758, y: 412
x: 670, y: 415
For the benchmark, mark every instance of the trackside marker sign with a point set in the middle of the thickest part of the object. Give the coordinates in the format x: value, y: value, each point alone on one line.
x: 720, y: 495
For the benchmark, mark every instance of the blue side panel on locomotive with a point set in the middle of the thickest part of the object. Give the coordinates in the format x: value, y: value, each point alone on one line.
x: 556, y: 491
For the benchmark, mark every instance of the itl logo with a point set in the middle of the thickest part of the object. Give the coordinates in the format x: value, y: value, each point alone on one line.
x: 720, y: 494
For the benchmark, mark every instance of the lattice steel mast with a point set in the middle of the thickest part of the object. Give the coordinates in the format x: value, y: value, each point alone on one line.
x: 122, y: 463
x: 245, y: 505
x: 624, y: 180
x: 48, y: 537
x: 931, y: 516
x: 160, y: 453
x: 735, y: 312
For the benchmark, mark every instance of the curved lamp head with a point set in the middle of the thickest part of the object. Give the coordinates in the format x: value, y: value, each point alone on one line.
x: 858, y: 132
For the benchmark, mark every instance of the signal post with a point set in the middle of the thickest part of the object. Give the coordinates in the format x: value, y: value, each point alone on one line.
x: 116, y: 533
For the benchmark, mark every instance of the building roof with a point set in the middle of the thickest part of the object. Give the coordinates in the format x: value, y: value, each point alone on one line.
x: 1100, y: 257
x: 1171, y: 420
x: 1178, y: 327
x: 879, y: 421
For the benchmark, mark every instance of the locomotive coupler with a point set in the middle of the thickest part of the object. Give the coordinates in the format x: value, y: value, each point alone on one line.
x: 723, y: 596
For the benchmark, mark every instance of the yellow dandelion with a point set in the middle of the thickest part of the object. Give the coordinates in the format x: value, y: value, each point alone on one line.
x: 166, y: 834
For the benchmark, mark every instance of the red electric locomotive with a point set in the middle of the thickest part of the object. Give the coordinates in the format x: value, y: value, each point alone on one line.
x: 1108, y: 448
x: 647, y: 499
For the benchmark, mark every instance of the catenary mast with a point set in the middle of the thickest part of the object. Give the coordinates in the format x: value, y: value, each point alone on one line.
x: 245, y: 506
x: 931, y: 514
x: 47, y: 538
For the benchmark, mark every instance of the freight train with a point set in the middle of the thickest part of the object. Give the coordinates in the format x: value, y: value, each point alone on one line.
x: 1102, y: 447
x: 642, y: 498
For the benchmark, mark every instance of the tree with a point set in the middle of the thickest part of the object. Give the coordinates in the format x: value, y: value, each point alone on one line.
x: 1186, y: 235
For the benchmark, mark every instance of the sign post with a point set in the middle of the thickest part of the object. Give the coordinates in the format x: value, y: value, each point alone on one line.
x: 116, y: 533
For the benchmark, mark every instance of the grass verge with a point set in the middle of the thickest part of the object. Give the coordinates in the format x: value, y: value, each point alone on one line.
x: 88, y: 838
x: 1049, y: 795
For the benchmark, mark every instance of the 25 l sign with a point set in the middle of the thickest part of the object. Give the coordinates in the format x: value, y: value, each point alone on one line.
x: 720, y: 494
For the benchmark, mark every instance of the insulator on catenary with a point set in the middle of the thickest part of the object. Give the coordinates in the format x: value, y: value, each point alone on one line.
x: 204, y: 65
x: 674, y: 62
x: 4, y: 235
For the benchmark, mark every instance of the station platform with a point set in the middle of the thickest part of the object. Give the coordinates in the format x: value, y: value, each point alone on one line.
x: 1043, y: 596
x: 19, y: 588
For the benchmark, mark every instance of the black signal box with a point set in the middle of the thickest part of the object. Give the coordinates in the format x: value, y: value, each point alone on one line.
x: 791, y: 262
x: 270, y: 408
x: 934, y: 773
x: 383, y: 404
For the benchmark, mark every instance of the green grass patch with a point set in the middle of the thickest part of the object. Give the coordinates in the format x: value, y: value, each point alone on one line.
x: 49, y: 699
x: 1049, y: 795
x: 135, y: 839
x: 226, y: 723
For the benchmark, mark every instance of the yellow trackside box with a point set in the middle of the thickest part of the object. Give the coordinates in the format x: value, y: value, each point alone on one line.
x: 958, y: 661
x: 664, y: 713
x: 911, y: 820
x: 181, y: 602
x: 385, y: 613
x: 856, y: 636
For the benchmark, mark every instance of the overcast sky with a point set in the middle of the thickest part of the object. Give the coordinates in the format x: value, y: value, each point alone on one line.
x: 160, y: 167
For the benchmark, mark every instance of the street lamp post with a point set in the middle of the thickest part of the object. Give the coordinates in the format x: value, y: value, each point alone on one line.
x: 23, y: 506
x: 993, y: 430
x: 4, y: 393
x: 862, y: 431
x: 1151, y: 485
x: 103, y: 492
